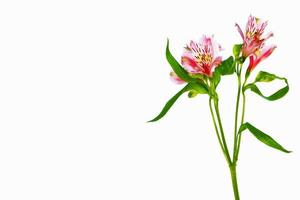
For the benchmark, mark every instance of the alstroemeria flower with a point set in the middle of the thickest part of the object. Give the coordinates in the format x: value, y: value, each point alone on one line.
x: 260, y: 56
x: 253, y: 39
x: 175, y: 78
x: 202, y: 57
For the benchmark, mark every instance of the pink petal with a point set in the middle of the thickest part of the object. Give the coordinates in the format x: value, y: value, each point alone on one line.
x: 240, y: 31
x: 176, y: 79
x: 193, y: 46
x: 266, y: 52
x: 268, y: 36
x: 262, y: 25
x: 206, y: 40
x: 217, y: 61
x: 188, y: 62
x: 216, y: 47
x: 251, y: 63
x: 255, y: 60
x: 251, y: 23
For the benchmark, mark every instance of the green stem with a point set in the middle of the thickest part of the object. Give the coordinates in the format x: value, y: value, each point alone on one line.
x: 242, y: 122
x: 221, y: 135
x: 237, y: 137
x: 234, y: 181
x: 236, y: 118
x: 244, y: 108
x: 216, y: 127
x: 216, y: 104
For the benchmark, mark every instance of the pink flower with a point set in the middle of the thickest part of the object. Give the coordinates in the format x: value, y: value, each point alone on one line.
x: 202, y: 57
x: 175, y: 78
x: 260, y: 56
x: 253, y: 39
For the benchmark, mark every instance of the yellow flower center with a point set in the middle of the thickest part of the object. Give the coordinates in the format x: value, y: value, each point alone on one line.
x: 257, y: 20
x: 250, y: 34
x: 204, y: 58
x: 258, y: 52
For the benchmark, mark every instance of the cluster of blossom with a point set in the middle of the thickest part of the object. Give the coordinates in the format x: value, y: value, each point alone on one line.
x: 204, y: 56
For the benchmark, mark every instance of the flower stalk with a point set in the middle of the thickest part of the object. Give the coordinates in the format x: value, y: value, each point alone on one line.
x: 234, y: 182
x: 236, y: 137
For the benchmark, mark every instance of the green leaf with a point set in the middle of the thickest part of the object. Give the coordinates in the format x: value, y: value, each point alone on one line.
x: 170, y: 103
x: 177, y: 68
x: 267, y: 77
x: 192, y: 94
x: 199, y: 87
x: 236, y: 50
x: 196, y: 88
x: 197, y: 76
x: 216, y: 78
x: 227, y: 66
x: 261, y: 136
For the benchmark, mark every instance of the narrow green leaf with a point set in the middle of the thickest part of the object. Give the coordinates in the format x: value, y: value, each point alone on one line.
x: 170, y: 103
x: 267, y: 77
x: 275, y: 96
x: 194, y: 88
x: 227, y: 66
x: 236, y: 50
x: 261, y: 136
x: 177, y: 68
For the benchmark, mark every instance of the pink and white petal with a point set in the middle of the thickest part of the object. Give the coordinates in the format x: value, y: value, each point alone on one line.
x: 206, y: 40
x: 268, y: 36
x: 252, y: 63
x: 175, y: 78
x: 188, y: 62
x: 266, y: 52
x: 193, y: 46
x: 255, y: 60
x: 216, y: 48
x: 262, y: 25
x: 240, y: 31
x: 217, y: 61
x: 251, y: 24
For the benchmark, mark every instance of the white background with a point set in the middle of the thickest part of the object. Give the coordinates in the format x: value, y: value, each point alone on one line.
x: 79, y: 80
